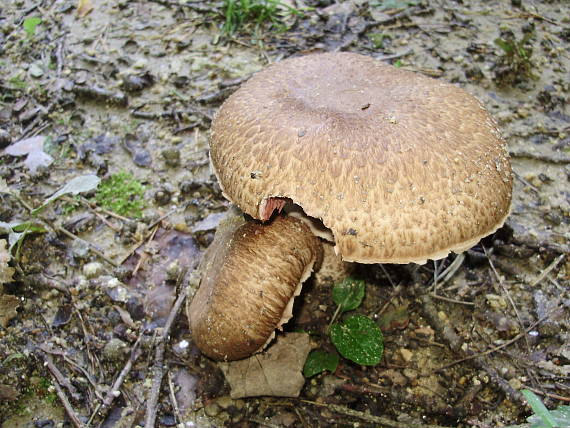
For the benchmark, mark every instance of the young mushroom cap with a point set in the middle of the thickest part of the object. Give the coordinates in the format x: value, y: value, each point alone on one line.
x: 400, y: 167
x: 249, y: 277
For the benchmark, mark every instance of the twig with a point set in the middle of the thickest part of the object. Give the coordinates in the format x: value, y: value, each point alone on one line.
x: 89, y: 245
x: 67, y: 406
x: 57, y: 378
x: 395, y: 292
x: 387, y: 275
x: 164, y: 216
x: 496, y: 348
x: 158, y: 367
x: 554, y: 158
x: 112, y: 393
x: 144, y: 255
x: 450, y: 300
x: 540, y: 245
x: 430, y: 313
x: 192, y: 6
x: 548, y: 394
x: 41, y: 280
x: 170, y: 114
x: 95, y: 92
x: 549, y: 269
x: 102, y: 408
x: 59, y: 56
x: 510, y: 299
x: 173, y: 400
x: 448, y: 273
x: 368, y: 417
x: 395, y: 56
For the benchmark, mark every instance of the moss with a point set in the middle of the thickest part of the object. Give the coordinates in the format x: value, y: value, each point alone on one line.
x: 122, y: 194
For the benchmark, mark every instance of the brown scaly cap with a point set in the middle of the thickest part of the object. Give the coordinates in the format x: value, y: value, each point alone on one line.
x: 402, y: 168
x: 250, y: 274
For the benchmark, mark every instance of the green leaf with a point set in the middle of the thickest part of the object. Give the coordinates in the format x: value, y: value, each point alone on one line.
x: 348, y: 294
x: 539, y: 409
x: 30, y: 25
x: 319, y: 361
x: 84, y: 183
x: 358, y: 339
x: 17, y: 231
x: 507, y: 47
x: 561, y: 416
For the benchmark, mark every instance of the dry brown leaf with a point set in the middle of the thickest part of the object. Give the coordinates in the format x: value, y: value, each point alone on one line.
x: 84, y: 7
x: 3, y: 186
x: 8, y: 306
x: 8, y: 393
x: 6, y: 271
x: 276, y: 372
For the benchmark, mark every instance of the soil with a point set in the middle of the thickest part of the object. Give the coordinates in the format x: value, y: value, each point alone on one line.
x: 114, y: 86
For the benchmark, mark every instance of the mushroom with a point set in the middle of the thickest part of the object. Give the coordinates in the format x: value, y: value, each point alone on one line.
x: 249, y: 276
x: 397, y: 167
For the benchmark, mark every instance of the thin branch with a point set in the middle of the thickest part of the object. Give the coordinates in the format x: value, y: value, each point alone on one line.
x: 57, y: 377
x: 158, y: 368
x: 368, y: 417
x: 549, y: 269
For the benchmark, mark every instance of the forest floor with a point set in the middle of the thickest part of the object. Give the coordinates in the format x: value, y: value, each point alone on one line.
x: 126, y: 90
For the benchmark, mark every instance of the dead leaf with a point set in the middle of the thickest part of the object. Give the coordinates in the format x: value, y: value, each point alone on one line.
x: 394, y: 377
x: 8, y: 393
x: 33, y: 148
x: 554, y: 368
x: 395, y: 318
x: 84, y: 7
x: 125, y: 316
x: 3, y: 186
x: 8, y: 306
x: 276, y: 372
x: 6, y: 271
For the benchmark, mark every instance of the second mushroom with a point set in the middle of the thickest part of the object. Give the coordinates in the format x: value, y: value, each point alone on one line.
x: 389, y: 165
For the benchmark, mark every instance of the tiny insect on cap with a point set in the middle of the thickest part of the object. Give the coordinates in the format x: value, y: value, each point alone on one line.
x: 400, y: 167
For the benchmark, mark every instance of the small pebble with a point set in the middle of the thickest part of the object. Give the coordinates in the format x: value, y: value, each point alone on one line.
x: 171, y: 157
x: 212, y: 409
x: 406, y: 354
x: 93, y: 270
x: 114, y: 349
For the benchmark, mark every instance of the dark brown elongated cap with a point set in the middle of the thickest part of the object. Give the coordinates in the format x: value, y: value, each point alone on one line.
x: 249, y: 277
x: 400, y: 167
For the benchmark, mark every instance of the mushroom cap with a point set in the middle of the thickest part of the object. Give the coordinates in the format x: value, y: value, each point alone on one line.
x: 249, y: 276
x: 400, y: 167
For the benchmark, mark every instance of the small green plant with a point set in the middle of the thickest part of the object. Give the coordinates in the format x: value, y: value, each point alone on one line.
x: 544, y: 418
x: 18, y: 230
x: 378, y: 39
x: 239, y: 13
x: 30, y: 25
x: 357, y: 338
x: 17, y: 83
x: 515, y: 65
x: 319, y: 361
x: 122, y: 194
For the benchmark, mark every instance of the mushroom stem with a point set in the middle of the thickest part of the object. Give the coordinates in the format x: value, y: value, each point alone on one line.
x: 249, y: 276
